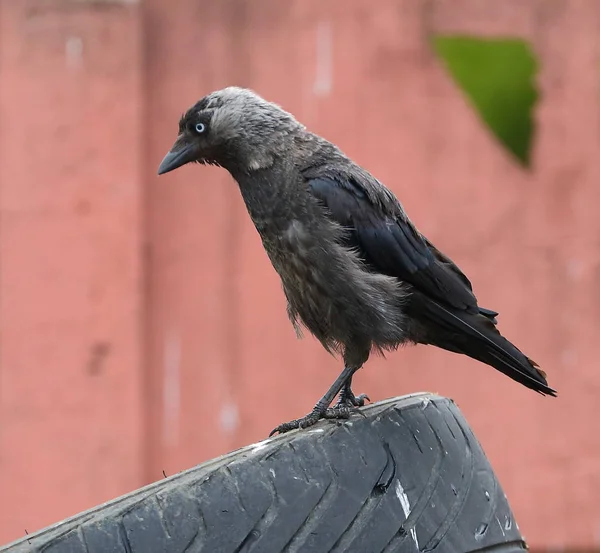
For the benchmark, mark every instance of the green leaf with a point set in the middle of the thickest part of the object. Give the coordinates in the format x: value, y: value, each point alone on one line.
x: 497, y: 75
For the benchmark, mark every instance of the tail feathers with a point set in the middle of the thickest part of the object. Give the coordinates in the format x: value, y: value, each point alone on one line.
x: 476, y: 336
x: 491, y: 315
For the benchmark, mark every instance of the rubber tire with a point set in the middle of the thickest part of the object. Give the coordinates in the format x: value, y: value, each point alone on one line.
x: 410, y: 471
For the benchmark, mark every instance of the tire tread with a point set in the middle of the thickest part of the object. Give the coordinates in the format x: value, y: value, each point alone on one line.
x: 335, y: 487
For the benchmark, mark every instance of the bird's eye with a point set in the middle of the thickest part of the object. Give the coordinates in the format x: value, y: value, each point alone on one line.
x: 200, y: 128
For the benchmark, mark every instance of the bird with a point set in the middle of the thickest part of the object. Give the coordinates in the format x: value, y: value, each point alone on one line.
x: 354, y: 269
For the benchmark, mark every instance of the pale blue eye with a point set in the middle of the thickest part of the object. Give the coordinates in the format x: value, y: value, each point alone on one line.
x: 200, y: 128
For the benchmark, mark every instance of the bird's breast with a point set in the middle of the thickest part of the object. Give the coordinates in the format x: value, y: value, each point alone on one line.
x: 293, y: 249
x: 300, y: 256
x: 329, y: 290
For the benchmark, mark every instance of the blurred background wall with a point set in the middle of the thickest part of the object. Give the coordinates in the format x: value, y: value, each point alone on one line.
x: 142, y: 327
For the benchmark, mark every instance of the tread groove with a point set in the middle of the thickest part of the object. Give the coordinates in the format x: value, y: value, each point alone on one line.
x: 160, y: 515
x: 124, y: 538
x: 296, y: 541
x: 83, y: 540
x: 369, y: 506
x: 457, y: 506
x: 262, y: 524
x: 358, y: 523
x: 424, y: 498
x: 238, y: 495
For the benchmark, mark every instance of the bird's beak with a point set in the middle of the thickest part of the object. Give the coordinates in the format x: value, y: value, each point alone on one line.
x: 181, y: 153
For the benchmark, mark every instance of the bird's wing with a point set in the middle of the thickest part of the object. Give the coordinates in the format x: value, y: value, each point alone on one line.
x: 384, y: 236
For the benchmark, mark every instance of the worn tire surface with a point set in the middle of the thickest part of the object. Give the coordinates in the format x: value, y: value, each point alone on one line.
x: 408, y: 476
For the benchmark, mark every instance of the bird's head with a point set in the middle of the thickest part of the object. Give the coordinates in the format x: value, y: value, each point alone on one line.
x: 234, y: 128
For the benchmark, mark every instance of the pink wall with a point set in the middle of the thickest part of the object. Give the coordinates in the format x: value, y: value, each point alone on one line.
x: 142, y: 328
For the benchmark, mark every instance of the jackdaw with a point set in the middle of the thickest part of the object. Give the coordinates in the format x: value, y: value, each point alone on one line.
x: 355, y: 270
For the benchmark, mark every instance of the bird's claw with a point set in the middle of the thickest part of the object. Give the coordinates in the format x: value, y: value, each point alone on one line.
x: 337, y: 412
x: 350, y: 400
x: 347, y: 404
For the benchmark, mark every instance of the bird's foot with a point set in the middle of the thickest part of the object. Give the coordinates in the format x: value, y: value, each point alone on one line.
x: 319, y: 412
x: 348, y: 399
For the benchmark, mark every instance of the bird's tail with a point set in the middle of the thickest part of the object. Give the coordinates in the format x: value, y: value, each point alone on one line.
x: 476, y: 336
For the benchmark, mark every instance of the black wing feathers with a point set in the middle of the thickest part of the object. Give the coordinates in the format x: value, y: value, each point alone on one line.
x: 389, y: 242
x: 382, y: 234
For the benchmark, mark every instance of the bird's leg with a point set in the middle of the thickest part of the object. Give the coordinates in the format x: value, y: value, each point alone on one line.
x: 347, y: 397
x: 321, y: 410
